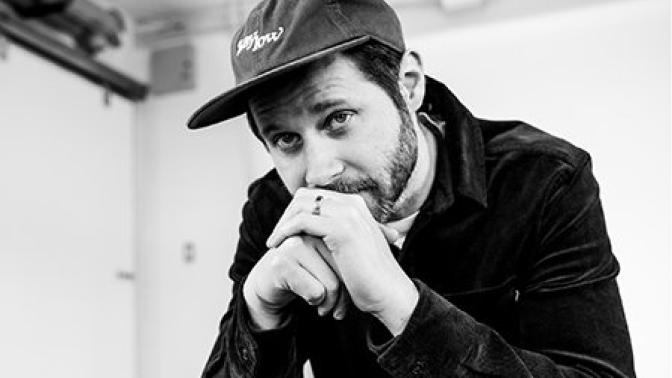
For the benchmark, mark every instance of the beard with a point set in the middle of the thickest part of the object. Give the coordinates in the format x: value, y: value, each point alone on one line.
x: 388, y: 184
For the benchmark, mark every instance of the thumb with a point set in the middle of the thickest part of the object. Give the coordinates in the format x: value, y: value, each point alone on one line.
x: 391, y: 235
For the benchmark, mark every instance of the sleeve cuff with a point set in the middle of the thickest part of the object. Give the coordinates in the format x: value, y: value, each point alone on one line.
x: 438, y: 336
x: 257, y: 350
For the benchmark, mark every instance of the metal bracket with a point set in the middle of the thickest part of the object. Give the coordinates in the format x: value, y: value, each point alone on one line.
x: 4, y: 47
x: 188, y: 252
x: 125, y: 275
x: 107, y: 96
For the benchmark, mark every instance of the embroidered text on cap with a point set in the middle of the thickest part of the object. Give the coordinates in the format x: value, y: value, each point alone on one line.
x: 254, y: 42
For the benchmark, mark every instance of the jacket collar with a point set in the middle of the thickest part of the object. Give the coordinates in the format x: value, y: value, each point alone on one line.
x: 460, y: 166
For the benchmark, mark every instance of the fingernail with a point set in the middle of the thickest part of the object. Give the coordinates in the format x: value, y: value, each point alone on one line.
x: 321, y: 311
x: 338, y: 315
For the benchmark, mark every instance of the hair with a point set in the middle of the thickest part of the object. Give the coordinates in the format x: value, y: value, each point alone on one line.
x: 379, y: 63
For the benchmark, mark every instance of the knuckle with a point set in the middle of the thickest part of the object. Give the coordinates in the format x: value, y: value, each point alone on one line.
x: 281, y: 261
x: 350, y: 227
x: 352, y: 212
x: 292, y: 242
x: 301, y: 192
x: 278, y: 262
x: 315, y: 296
x: 331, y: 287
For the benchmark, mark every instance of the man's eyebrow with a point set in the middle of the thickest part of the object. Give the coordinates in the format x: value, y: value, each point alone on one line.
x: 321, y: 106
x: 267, y: 129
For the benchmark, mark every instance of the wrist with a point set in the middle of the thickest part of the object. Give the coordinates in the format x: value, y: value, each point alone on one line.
x: 396, y: 316
x: 262, y: 318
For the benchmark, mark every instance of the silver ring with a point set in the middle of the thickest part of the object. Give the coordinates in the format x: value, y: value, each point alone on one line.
x: 317, y: 209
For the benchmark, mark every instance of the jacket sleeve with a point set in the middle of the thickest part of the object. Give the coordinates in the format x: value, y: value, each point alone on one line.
x: 241, y: 351
x: 571, y: 320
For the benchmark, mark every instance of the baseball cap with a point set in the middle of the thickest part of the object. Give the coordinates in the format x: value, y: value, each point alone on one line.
x: 282, y: 35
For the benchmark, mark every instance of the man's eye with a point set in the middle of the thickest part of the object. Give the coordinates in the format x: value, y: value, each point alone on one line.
x: 339, y: 119
x: 286, y: 141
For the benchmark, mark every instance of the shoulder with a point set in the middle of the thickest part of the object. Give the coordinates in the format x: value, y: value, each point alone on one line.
x: 268, y: 196
x: 269, y: 187
x: 267, y: 200
x: 530, y: 167
x: 521, y: 152
x: 520, y: 141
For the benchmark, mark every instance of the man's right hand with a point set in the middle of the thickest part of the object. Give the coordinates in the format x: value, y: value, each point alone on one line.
x: 297, y: 267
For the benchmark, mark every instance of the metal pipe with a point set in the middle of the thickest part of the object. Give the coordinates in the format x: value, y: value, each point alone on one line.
x: 72, y: 60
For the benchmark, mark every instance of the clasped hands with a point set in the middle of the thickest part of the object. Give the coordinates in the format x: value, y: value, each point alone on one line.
x: 329, y: 250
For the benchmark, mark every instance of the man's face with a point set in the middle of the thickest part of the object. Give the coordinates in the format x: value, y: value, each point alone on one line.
x: 334, y: 129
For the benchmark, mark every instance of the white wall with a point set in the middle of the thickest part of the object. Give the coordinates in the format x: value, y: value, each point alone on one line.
x: 597, y: 76
x: 191, y: 187
x: 66, y: 224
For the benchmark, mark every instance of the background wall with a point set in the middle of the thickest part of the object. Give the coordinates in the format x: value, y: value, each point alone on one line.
x: 66, y: 224
x: 598, y: 76
x: 191, y: 187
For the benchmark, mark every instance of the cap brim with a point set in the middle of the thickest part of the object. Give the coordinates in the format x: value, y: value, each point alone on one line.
x: 233, y: 103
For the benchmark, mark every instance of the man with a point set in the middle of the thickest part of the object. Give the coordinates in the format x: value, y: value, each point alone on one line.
x: 398, y: 235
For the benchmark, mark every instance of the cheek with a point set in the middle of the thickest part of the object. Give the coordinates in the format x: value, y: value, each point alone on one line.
x: 378, y: 143
x: 367, y: 158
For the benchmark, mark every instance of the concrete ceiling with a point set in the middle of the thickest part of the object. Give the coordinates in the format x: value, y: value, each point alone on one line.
x: 144, y: 8
x: 159, y: 20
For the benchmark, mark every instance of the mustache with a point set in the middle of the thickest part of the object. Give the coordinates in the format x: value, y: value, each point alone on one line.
x: 351, y: 186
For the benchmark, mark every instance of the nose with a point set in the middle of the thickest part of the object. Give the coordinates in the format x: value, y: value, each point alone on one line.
x: 322, y: 161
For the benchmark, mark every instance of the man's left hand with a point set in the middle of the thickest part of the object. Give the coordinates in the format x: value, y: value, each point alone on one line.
x: 375, y: 281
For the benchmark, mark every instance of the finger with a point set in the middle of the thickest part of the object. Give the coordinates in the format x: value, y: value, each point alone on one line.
x: 303, y: 201
x: 330, y: 299
x: 391, y: 235
x: 300, y: 223
x: 351, y: 199
x: 344, y: 300
x: 359, y: 203
x: 326, y: 255
x: 311, y: 193
x: 310, y: 259
x: 354, y: 200
x: 342, y: 305
x: 299, y: 281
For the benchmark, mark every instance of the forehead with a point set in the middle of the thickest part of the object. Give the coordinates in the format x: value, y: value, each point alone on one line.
x: 333, y: 76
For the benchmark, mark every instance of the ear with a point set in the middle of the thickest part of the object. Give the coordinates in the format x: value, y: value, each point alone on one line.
x: 412, y: 80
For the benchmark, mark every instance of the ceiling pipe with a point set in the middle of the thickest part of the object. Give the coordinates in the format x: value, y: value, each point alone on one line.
x: 71, y: 59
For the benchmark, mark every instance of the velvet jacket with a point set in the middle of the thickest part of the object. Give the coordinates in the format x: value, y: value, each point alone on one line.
x: 510, y: 255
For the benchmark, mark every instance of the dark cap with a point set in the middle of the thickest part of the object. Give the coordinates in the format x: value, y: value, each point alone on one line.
x: 281, y: 35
